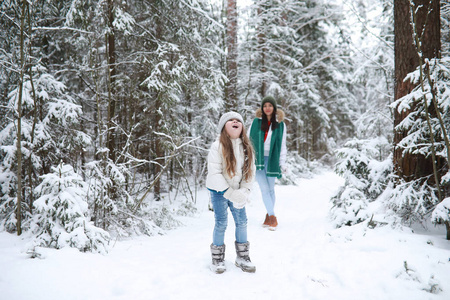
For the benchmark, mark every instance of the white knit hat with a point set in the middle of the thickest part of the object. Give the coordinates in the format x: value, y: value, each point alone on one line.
x: 229, y: 116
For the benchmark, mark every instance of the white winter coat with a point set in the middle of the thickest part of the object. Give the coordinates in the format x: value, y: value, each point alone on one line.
x: 218, y: 178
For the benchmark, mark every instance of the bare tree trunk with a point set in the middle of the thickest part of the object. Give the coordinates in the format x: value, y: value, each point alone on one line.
x: 19, y: 120
x: 111, y: 56
x: 111, y: 60
x: 447, y: 226
x: 158, y: 150
x: 97, y: 207
x: 231, y: 44
x: 33, y: 129
x: 411, y: 166
x: 263, y: 50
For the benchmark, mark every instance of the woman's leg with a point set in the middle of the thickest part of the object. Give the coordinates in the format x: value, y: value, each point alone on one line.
x: 263, y: 183
x: 220, y: 206
x: 267, y: 187
x: 271, y: 183
x: 240, y: 219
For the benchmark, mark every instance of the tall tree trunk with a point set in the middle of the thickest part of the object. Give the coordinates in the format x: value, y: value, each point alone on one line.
x: 157, y: 125
x: 158, y: 150
x: 231, y: 44
x: 111, y: 119
x: 111, y: 56
x: 411, y: 166
x: 262, y: 50
x: 33, y: 128
x: 447, y: 226
x: 19, y: 119
x: 98, y: 203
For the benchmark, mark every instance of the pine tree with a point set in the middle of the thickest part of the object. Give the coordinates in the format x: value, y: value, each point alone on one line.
x: 62, y: 213
x: 365, y: 160
x: 409, y: 165
x: 48, y: 121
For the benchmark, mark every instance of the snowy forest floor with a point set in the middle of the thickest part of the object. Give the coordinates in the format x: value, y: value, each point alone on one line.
x: 306, y: 258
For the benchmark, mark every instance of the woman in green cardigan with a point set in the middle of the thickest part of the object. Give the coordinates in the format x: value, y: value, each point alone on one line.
x: 268, y: 135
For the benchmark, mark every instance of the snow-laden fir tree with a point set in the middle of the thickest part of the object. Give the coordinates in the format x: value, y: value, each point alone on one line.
x: 425, y: 126
x: 365, y: 161
x: 441, y: 214
x: 366, y: 177
x: 414, y: 200
x: 49, y: 133
x: 62, y: 214
x: 421, y: 154
x: 49, y: 116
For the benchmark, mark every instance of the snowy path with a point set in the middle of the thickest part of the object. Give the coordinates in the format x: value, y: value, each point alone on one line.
x: 304, y: 259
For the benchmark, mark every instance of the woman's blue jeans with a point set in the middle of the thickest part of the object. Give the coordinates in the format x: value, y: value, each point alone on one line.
x: 267, y: 187
x: 220, y: 205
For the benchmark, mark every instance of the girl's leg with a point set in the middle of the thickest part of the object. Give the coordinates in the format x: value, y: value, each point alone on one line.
x: 240, y: 219
x: 220, y: 206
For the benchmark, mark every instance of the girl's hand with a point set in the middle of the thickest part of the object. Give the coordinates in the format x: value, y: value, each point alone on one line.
x: 238, y: 197
x: 239, y: 205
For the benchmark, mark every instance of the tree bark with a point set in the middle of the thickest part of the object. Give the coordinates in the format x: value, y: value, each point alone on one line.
x: 231, y: 44
x: 158, y: 149
x: 19, y: 120
x: 111, y: 55
x: 158, y: 110
x: 262, y: 49
x: 33, y: 128
x: 411, y: 166
x: 447, y: 226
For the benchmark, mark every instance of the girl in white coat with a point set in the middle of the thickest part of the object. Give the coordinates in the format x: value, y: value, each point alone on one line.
x: 231, y: 170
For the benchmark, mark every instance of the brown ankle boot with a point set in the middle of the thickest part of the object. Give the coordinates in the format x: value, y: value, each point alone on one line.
x: 266, y: 221
x: 273, y: 223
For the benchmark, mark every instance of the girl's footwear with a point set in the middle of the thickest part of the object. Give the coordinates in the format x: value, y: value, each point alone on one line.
x: 273, y: 223
x: 218, y: 257
x: 266, y: 221
x: 243, y: 259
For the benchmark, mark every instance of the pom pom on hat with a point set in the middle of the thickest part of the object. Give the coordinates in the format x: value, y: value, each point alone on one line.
x: 229, y: 116
x: 269, y: 99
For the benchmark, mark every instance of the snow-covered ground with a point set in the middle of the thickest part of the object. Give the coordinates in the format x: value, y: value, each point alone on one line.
x: 304, y: 259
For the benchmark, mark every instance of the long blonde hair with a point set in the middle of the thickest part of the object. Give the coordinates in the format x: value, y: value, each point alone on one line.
x: 230, y: 160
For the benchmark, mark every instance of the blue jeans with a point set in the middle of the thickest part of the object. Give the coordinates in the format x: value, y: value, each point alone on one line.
x: 220, y: 205
x: 267, y: 187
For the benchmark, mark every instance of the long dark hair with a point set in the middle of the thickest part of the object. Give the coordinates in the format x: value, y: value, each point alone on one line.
x: 265, y: 121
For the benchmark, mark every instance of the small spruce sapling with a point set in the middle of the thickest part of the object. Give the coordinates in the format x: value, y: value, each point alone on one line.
x: 61, y: 217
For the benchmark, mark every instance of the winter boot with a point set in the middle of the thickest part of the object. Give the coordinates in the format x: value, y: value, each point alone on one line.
x: 218, y: 257
x: 266, y: 221
x: 243, y: 260
x: 273, y: 223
